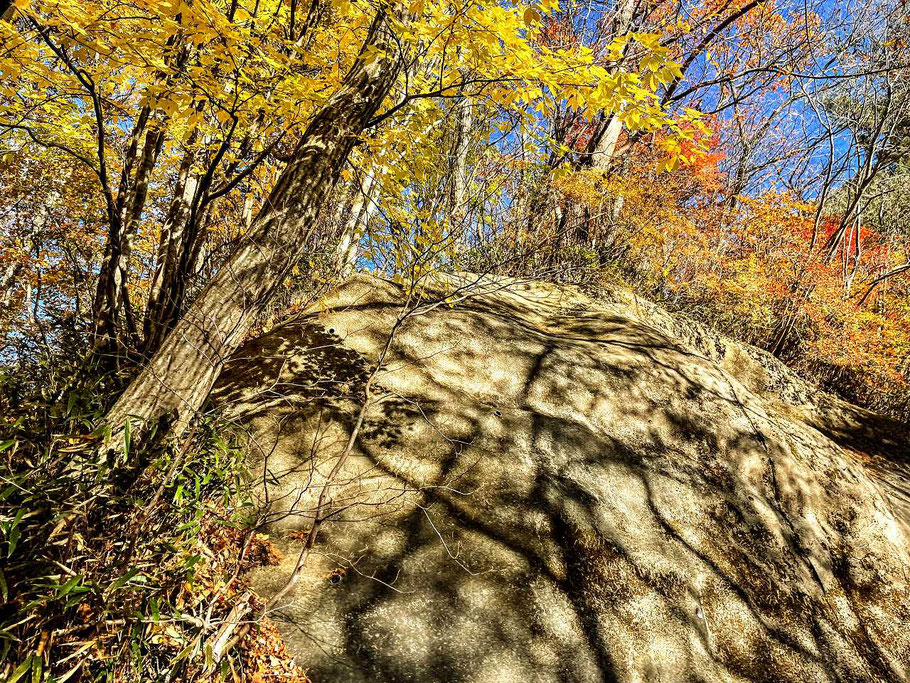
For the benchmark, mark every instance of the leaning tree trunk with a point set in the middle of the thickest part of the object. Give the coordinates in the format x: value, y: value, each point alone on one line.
x: 178, y: 378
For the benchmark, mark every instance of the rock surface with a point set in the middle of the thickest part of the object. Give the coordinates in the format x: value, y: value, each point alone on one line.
x: 556, y: 489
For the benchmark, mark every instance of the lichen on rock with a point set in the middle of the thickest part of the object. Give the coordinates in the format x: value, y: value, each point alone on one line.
x: 556, y: 489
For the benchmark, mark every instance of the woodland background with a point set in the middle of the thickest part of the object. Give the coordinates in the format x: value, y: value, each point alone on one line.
x: 745, y: 162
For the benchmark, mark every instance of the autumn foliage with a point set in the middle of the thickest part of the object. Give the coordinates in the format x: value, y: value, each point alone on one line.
x: 744, y: 162
x: 756, y: 269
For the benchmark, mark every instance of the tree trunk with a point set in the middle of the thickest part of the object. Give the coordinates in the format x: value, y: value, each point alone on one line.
x: 605, y: 152
x: 464, y: 123
x: 354, y: 221
x: 170, y: 247
x: 605, y: 147
x: 7, y: 285
x: 176, y: 381
x: 111, y: 297
x: 108, y: 303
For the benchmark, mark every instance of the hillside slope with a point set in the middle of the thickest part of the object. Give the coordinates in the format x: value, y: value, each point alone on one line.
x: 556, y: 489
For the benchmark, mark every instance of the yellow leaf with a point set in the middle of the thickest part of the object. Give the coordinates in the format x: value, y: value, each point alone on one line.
x: 531, y: 16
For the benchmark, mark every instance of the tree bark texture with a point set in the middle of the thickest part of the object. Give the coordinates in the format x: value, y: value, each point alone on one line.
x: 179, y: 376
x: 354, y: 222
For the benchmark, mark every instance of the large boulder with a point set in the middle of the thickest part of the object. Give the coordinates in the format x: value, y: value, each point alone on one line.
x: 549, y: 488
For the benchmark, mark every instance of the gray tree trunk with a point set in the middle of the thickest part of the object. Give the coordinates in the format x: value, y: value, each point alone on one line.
x: 605, y: 152
x: 170, y: 248
x: 178, y: 378
x: 355, y: 220
x: 464, y: 123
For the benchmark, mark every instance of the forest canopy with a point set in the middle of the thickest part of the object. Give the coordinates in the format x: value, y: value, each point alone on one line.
x: 140, y: 141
